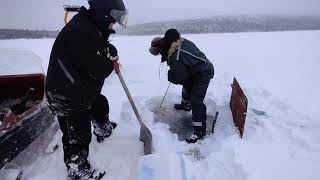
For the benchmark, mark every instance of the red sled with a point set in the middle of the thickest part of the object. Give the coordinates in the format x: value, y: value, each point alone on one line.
x: 24, y: 114
x: 238, y: 106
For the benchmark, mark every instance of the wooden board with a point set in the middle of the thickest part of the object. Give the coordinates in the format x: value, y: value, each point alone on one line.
x: 238, y: 106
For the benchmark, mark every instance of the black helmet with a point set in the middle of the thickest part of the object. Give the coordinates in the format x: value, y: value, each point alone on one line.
x: 109, y: 11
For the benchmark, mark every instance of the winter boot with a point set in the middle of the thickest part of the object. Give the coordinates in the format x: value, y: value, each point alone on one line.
x: 184, y: 105
x: 83, y: 173
x: 103, y: 131
x: 199, y: 131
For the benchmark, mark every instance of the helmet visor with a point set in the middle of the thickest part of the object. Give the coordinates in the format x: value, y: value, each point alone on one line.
x: 120, y: 16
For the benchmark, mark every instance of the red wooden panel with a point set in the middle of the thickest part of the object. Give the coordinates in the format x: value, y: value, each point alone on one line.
x: 16, y: 86
x: 238, y: 106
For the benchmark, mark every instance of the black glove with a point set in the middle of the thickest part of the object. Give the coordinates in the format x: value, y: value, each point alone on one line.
x: 112, y: 53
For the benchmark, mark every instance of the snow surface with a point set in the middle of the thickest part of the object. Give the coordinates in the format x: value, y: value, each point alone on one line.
x: 279, y: 72
x: 13, y: 62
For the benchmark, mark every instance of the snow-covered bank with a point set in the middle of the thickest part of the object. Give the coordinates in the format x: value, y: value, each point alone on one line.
x: 279, y: 73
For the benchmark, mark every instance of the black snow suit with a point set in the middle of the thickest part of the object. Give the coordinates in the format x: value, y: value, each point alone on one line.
x: 76, y: 73
x: 191, y: 68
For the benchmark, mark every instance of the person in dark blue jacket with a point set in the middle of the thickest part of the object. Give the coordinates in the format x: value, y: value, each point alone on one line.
x: 192, y: 69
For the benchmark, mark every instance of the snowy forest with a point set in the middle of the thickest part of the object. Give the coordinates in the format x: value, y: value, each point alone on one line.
x: 217, y: 24
x: 29, y: 34
x: 223, y: 24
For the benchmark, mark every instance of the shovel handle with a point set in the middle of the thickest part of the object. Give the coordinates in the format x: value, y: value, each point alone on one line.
x: 116, y: 67
x: 65, y: 18
x: 123, y: 83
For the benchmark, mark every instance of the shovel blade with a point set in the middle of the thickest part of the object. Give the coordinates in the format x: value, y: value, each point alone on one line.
x: 146, y: 138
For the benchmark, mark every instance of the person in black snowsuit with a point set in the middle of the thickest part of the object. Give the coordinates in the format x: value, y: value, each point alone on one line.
x: 192, y: 69
x: 80, y: 60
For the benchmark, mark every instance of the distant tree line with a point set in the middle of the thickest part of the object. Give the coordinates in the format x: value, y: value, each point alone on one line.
x: 217, y: 24
x: 26, y: 34
x: 224, y: 24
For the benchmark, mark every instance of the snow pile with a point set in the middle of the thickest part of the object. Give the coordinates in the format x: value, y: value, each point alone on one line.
x: 281, y: 141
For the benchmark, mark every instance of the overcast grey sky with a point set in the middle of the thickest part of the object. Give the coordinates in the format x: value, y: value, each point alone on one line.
x: 48, y: 14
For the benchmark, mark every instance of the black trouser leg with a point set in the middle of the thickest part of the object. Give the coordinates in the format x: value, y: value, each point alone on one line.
x: 100, y: 118
x: 76, y: 138
x: 198, y: 93
x: 186, y: 90
x: 100, y: 110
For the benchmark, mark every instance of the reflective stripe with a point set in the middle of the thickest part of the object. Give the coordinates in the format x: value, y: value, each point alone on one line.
x: 66, y: 72
x: 193, y: 137
x: 178, y: 54
x: 187, y: 52
x: 198, y: 124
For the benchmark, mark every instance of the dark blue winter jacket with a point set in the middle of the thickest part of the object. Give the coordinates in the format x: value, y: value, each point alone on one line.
x: 186, y: 62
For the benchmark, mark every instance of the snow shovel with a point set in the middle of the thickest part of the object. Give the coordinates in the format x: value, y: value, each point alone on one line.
x: 145, y: 133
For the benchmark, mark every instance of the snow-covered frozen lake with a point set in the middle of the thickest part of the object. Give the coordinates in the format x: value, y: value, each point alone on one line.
x: 279, y: 73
